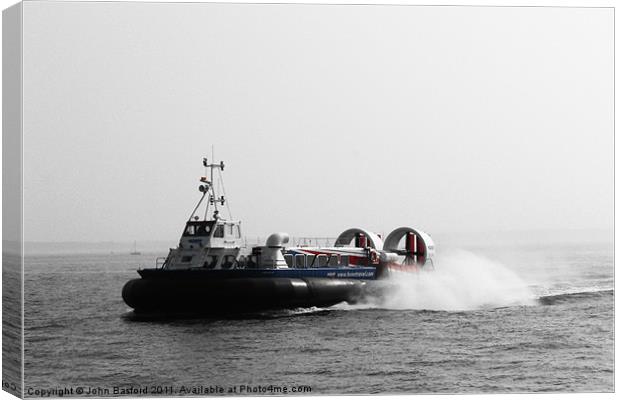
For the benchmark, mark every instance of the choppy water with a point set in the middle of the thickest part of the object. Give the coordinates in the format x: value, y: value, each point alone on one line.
x: 486, y: 322
x: 11, y: 323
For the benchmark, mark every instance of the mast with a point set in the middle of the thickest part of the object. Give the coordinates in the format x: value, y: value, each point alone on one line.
x: 208, y: 190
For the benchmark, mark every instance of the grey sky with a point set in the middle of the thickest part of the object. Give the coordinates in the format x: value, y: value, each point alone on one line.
x: 444, y: 118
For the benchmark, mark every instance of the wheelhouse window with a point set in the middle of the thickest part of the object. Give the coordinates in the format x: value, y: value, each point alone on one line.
x: 198, y: 228
x: 219, y: 231
x: 186, y: 259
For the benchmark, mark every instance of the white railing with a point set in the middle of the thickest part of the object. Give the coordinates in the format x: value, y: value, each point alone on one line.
x: 159, y: 262
x: 294, y: 241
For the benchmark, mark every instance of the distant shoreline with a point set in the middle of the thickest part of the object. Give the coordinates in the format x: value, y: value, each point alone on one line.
x: 516, y: 239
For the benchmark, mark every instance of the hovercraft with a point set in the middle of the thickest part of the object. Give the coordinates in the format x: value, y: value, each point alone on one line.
x: 212, y: 271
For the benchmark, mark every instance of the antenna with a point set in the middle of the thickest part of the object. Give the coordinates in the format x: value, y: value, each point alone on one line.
x: 210, y: 187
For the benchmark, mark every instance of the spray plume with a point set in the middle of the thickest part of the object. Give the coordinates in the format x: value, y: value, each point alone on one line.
x: 461, y: 281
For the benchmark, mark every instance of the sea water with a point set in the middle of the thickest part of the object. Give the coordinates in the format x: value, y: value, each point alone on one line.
x: 485, y: 320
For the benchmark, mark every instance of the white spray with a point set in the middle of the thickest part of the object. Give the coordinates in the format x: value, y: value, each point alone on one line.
x: 461, y: 281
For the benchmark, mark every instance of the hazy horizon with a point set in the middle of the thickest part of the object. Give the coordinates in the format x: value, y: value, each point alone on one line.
x: 599, y: 234
x: 448, y: 119
x: 506, y: 242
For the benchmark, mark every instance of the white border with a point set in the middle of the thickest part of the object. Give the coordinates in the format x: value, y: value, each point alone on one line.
x: 523, y: 3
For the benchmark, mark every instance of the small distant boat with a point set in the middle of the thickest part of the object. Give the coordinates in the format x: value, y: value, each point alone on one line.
x: 135, y: 252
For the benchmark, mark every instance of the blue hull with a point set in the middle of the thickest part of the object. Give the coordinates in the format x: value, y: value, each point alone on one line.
x: 365, y: 273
